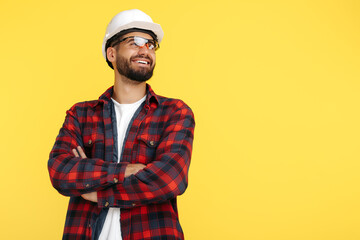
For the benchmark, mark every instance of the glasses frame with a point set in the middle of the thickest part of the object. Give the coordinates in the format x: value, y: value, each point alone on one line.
x: 157, y: 45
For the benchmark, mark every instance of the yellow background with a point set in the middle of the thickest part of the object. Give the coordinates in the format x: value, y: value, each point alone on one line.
x: 274, y: 86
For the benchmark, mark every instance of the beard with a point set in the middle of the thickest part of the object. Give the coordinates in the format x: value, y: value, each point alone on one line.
x: 141, y: 75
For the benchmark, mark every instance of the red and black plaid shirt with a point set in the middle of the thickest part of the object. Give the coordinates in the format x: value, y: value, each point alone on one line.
x: 159, y: 136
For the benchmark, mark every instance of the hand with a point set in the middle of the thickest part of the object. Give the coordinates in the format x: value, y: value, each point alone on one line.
x: 133, y: 168
x: 87, y: 196
x: 90, y: 196
x: 81, y: 152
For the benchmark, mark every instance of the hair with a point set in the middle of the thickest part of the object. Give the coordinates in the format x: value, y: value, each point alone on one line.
x: 114, y: 40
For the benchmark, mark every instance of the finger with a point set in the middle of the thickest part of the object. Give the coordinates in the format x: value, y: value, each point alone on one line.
x: 141, y: 166
x: 85, y: 196
x: 75, y: 152
x: 90, y: 196
x: 81, y: 151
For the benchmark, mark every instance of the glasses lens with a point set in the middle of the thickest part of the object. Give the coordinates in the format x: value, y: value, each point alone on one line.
x: 139, y: 41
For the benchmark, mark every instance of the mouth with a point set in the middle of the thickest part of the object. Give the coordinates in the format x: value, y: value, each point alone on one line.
x: 142, y: 62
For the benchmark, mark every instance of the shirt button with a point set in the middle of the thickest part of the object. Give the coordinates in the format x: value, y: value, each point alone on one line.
x: 134, y: 204
x: 152, y: 143
x: 90, y: 142
x: 106, y: 204
x: 87, y: 185
x: 115, y: 180
x: 89, y: 226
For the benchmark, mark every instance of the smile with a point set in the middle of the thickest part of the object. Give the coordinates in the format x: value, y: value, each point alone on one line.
x: 142, y: 62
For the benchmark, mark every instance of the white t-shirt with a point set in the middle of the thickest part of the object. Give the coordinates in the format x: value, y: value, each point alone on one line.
x: 124, y: 112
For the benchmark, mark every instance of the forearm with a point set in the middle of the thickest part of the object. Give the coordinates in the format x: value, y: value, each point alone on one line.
x: 73, y: 176
x: 159, y: 181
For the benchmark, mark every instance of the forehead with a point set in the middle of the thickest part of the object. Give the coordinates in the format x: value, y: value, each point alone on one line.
x: 139, y: 34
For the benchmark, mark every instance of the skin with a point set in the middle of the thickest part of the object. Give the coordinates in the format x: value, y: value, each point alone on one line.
x: 126, y: 91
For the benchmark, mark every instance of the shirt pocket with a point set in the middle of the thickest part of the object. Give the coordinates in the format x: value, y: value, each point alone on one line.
x: 145, y: 150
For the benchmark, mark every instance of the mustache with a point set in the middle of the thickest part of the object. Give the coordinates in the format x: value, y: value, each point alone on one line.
x: 142, y: 56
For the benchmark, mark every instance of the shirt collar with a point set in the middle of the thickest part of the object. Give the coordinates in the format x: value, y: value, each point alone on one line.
x: 151, y: 97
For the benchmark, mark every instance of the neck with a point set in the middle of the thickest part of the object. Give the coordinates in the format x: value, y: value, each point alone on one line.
x: 126, y: 90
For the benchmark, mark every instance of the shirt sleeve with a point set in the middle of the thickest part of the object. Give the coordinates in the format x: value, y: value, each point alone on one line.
x: 164, y: 178
x: 73, y: 176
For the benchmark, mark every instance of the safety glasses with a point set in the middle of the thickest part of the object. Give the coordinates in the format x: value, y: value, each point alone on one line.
x: 140, y: 42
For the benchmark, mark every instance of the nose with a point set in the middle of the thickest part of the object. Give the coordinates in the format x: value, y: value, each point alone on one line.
x: 144, y: 49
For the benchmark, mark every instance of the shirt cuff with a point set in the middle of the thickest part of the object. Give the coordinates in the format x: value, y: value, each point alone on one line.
x: 116, y: 176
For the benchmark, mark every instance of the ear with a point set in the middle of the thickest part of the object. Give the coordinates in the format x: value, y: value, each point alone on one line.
x: 111, y: 54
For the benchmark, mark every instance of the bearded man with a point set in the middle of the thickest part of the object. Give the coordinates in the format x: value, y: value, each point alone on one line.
x: 124, y: 158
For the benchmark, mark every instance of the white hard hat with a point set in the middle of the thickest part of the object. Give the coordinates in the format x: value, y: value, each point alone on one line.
x: 133, y: 18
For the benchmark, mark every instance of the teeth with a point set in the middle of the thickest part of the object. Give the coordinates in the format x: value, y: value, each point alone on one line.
x: 143, y: 62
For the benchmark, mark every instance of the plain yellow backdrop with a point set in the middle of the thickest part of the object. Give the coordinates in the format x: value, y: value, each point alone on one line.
x: 274, y: 86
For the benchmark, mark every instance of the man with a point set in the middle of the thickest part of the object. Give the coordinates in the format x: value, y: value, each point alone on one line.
x: 123, y: 159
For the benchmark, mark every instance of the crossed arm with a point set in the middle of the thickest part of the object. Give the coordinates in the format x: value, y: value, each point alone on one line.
x: 123, y: 184
x: 130, y: 170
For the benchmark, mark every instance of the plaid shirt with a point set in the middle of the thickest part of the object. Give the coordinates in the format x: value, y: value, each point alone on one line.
x: 160, y: 136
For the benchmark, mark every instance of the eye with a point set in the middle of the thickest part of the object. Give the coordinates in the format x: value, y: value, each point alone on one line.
x: 131, y: 42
